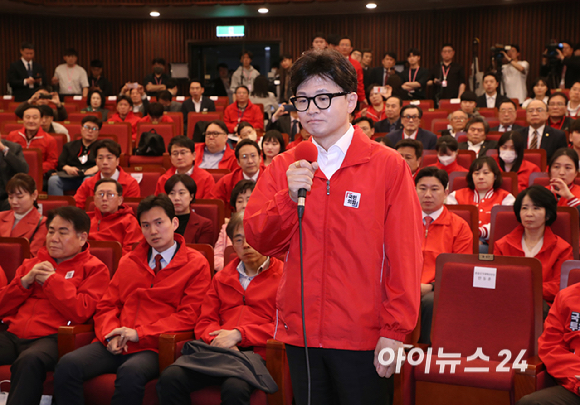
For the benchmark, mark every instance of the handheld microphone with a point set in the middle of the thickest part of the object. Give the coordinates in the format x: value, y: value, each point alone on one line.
x: 304, y: 151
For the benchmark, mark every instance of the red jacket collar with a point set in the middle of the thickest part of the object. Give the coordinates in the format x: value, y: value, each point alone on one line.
x: 140, y: 253
x: 80, y: 257
x: 122, y: 211
x: 39, y: 134
x: 514, y: 238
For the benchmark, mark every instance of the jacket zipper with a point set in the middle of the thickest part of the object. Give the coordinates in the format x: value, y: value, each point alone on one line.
x: 99, y: 225
x: 324, y: 264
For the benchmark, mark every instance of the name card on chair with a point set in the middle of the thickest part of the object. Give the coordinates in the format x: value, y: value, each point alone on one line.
x: 484, y: 277
x: 137, y: 176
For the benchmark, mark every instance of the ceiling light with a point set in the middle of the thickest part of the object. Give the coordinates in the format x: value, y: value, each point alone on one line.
x: 155, y: 14
x: 262, y: 10
x: 371, y: 6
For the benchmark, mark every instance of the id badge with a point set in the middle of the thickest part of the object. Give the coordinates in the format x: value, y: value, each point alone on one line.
x: 83, y: 159
x: 69, y: 89
x: 444, y: 83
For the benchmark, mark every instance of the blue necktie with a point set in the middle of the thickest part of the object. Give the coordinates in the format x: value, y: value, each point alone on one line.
x: 30, y: 74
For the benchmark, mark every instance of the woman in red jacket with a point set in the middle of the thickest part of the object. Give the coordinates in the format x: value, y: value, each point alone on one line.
x: 193, y: 227
x: 23, y: 219
x: 446, y: 148
x: 376, y: 111
x: 124, y: 114
x: 238, y: 313
x: 483, y: 190
x: 563, y: 169
x: 511, y: 147
x: 535, y: 210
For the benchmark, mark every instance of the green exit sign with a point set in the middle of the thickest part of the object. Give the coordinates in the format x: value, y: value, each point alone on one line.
x: 230, y: 30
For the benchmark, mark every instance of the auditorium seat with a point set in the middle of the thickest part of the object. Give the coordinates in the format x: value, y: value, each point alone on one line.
x: 464, y: 158
x: 438, y: 125
x: 7, y: 116
x: 123, y: 132
x: 5, y: 101
x: 48, y: 202
x: 177, y: 117
x: 109, y: 252
x: 60, y: 139
x: 206, y: 251
x: 132, y: 202
x: 146, y: 176
x: 78, y: 116
x: 166, y: 130
x: 569, y: 273
x: 543, y: 179
x: 213, y: 210
x: 193, y: 118
x: 70, y: 107
x: 488, y: 113
x: 450, y: 105
x: 112, y: 137
x: 466, y: 318
x: 229, y: 255
x: 423, y: 104
x: 9, y: 126
x: 33, y: 157
x: 471, y: 216
x: 535, y: 156
x: 218, y: 173
x: 429, y: 116
x: 13, y: 251
x: 509, y: 182
x: 74, y: 129
x: 503, y: 221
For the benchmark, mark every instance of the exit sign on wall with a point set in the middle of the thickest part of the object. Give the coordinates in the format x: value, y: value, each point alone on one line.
x: 230, y: 31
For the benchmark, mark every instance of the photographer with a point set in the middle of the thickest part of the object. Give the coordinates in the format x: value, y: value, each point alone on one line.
x: 560, y: 65
x: 44, y: 97
x: 515, y: 73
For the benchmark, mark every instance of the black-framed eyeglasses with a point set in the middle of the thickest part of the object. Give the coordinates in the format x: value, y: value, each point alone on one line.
x: 322, y: 101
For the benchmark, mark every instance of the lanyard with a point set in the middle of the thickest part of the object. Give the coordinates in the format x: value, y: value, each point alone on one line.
x: 445, y: 73
x: 559, y: 126
x: 240, y: 116
x: 158, y: 81
x: 414, y: 77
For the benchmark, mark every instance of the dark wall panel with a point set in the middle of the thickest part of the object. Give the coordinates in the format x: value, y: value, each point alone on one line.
x: 127, y: 46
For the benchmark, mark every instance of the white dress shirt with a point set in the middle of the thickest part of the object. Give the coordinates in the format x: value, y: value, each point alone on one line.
x: 490, y: 100
x: 475, y: 147
x: 166, y: 256
x: 330, y: 161
x: 433, y: 215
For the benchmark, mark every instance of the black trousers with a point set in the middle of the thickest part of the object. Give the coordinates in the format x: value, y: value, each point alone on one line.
x: 551, y: 396
x: 177, y: 383
x: 427, y: 301
x: 133, y: 372
x: 344, y: 377
x: 30, y: 360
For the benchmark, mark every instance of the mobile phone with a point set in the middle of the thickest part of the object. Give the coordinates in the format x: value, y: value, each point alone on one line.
x: 289, y: 107
x: 133, y: 85
x: 45, y: 96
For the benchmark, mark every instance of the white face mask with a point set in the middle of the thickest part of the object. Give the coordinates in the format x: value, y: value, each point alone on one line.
x: 447, y: 160
x: 508, y: 156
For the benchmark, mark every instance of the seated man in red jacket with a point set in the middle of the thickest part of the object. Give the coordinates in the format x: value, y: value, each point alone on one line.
x: 111, y: 220
x: 214, y: 152
x: 445, y: 232
x: 158, y: 288
x: 61, y: 285
x: 108, y: 153
x: 248, y: 156
x: 193, y: 227
x: 243, y: 110
x: 238, y: 313
x: 183, y: 153
x: 558, y: 349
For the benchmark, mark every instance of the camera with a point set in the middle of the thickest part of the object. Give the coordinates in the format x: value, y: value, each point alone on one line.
x: 45, y: 96
x: 552, y: 50
x: 497, y: 50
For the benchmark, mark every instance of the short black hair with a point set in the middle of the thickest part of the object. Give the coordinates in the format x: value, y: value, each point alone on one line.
x: 396, y: 97
x: 558, y: 94
x: 96, y: 63
x: 285, y: 56
x: 571, y: 153
x: 477, y: 120
x: 187, y: 181
x: 155, y: 110
x: 113, y: 181
x: 541, y: 197
x: 77, y: 217
x: 367, y: 119
x: 519, y: 146
x: 411, y: 143
x: 274, y: 135
x: 318, y: 35
x: 108, y: 144
x: 245, y: 142
x: 242, y: 87
x: 125, y: 98
x: 161, y: 61
x: 222, y: 65
x: 161, y: 201
x: 44, y: 110
x: 490, y: 74
x: 391, y: 54
x: 446, y: 143
x: 544, y: 80
x: 198, y: 80
x: 432, y: 171
x: 242, y: 125
x: 411, y: 106
x: 575, y: 126
x: 93, y: 119
x: 236, y: 220
x: 385, y: 141
x: 366, y: 50
x: 413, y: 51
x: 170, y: 84
x: 165, y: 95
x: 328, y: 64
x: 478, y: 164
x: 220, y: 124
x: 508, y: 101
x: 249, y: 53
x: 183, y: 141
x: 516, y: 47
x: 333, y: 39
x: 103, y: 101
x: 448, y: 45
x: 240, y: 188
x: 27, y: 45
x: 71, y: 52
x: 346, y: 37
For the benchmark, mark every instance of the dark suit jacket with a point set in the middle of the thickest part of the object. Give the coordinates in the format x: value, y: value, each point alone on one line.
x: 515, y: 127
x: 219, y: 89
x: 483, y: 150
x: 16, y: 75
x: 551, y: 140
x: 565, y: 125
x: 282, y: 124
x: 427, y: 138
x: 10, y: 165
x: 482, y: 101
x: 187, y: 106
x: 384, y: 126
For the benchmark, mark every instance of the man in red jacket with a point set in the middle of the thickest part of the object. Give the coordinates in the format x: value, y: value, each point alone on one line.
x: 158, y: 288
x: 62, y: 285
x: 243, y: 110
x: 108, y: 153
x: 238, y: 313
x: 111, y: 220
x: 248, y: 156
x: 362, y: 242
x: 558, y: 349
x: 214, y: 152
x: 345, y: 48
x: 182, y: 151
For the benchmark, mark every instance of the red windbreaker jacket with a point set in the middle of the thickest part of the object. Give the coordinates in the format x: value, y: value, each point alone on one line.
x: 87, y: 189
x: 120, y: 226
x: 228, y: 161
x: 31, y: 227
x: 203, y: 180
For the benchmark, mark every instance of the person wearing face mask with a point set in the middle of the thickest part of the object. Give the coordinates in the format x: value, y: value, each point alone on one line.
x: 446, y: 148
x: 23, y: 219
x: 238, y: 201
x: 156, y: 81
x: 511, y: 147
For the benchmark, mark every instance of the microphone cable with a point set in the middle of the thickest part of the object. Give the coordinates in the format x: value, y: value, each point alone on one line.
x: 300, y: 214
